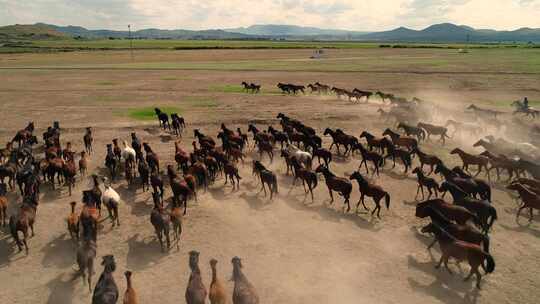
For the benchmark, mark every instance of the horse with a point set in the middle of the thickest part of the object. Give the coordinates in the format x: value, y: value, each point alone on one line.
x: 423, y: 181
x: 384, y: 96
x: 480, y: 111
x: 161, y: 221
x: 373, y: 141
x: 370, y: 190
x: 434, y: 130
x: 267, y: 177
x: 304, y: 157
x: 265, y: 146
x: 499, y: 162
x: 3, y: 204
x: 231, y: 172
x: 341, y: 185
x: 453, y: 212
x: 323, y: 153
x: 179, y: 187
x: 374, y: 157
x: 460, y: 250
x: 361, y: 94
x: 22, y: 220
x: 403, y: 154
x: 412, y: 130
x: 426, y: 159
x: 470, y: 159
x: 278, y: 136
x: 473, y: 186
x: 525, y: 110
x: 464, y: 233
x: 306, y: 175
x: 530, y: 199
x: 486, y: 213
x: 111, y: 162
x: 163, y: 119
x: 461, y: 127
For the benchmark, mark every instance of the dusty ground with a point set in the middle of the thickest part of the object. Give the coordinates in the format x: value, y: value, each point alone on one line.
x: 293, y: 250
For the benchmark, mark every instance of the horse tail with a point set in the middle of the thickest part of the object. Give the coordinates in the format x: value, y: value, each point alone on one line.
x: 486, y: 242
x: 387, y: 199
x: 13, y: 230
x: 490, y: 263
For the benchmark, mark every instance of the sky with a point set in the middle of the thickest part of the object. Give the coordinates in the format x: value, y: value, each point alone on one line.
x: 361, y: 15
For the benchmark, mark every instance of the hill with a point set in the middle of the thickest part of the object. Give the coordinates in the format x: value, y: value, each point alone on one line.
x: 290, y: 30
x: 438, y: 33
x: 28, y: 31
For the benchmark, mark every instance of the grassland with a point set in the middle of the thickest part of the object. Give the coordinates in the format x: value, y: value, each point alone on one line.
x: 489, y: 60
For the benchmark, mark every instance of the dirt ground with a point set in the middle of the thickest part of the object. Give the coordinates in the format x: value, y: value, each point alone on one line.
x: 293, y: 250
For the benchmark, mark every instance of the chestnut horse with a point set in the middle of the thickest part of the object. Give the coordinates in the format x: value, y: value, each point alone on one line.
x: 23, y: 220
x: 460, y: 250
x: 470, y: 159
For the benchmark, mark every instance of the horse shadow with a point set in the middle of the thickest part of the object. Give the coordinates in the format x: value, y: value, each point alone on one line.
x: 58, y: 252
x: 523, y: 228
x: 144, y: 253
x: 7, y: 249
x: 326, y: 212
x: 165, y: 138
x: 396, y: 175
x: 51, y: 195
x: 153, y: 130
x: 446, y: 288
x: 256, y: 201
x: 141, y: 208
x: 62, y: 291
x: 127, y: 193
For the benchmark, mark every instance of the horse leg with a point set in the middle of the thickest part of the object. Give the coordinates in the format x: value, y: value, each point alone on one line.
x: 430, y: 192
x: 331, y: 196
x: 117, y: 215
x: 432, y: 243
x: 440, y: 261
x: 377, y: 203
x: 530, y: 214
x: 446, y: 265
x: 479, y: 170
x: 417, y: 192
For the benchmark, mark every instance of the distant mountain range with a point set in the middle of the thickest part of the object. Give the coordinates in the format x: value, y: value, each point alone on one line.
x: 445, y: 32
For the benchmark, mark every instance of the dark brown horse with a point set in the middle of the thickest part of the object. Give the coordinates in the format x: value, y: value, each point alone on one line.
x: 306, y: 175
x: 373, y: 141
x: 470, y: 159
x: 455, y: 213
x: 161, y: 222
x: 341, y: 185
x: 427, y: 159
x: 423, y: 181
x: 530, y: 199
x: 370, y: 190
x: 401, y: 141
x: 371, y: 156
x: 434, y: 130
x: 266, y: 177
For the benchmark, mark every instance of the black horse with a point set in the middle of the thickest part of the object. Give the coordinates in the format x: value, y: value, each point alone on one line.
x: 163, y: 119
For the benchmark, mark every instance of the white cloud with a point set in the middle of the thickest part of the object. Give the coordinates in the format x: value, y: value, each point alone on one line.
x: 346, y: 14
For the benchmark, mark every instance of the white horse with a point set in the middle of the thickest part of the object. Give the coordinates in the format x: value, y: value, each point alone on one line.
x: 111, y: 199
x: 302, y: 156
x: 128, y: 154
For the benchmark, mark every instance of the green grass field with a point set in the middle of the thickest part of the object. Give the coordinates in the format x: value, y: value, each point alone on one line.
x: 148, y: 113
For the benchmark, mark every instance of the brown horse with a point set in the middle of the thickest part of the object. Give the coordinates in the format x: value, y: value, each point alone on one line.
x: 231, y: 172
x: 161, y: 221
x: 455, y: 213
x: 401, y: 141
x: 266, y: 147
x: 23, y: 220
x: 73, y: 222
x: 373, y: 141
x: 470, y: 159
x: 180, y: 189
x: 341, y: 185
x: 3, y: 204
x: 370, y: 190
x: 307, y: 176
x: 70, y: 170
x: 372, y: 156
x: 451, y: 247
x: 266, y: 177
x: 180, y: 156
x: 530, y: 199
x: 434, y: 130
x: 424, y: 181
x: 427, y: 159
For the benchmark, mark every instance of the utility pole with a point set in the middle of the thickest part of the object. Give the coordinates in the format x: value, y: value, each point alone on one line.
x: 130, y: 41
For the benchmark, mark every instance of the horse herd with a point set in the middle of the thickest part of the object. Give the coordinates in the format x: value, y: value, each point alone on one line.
x: 461, y: 227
